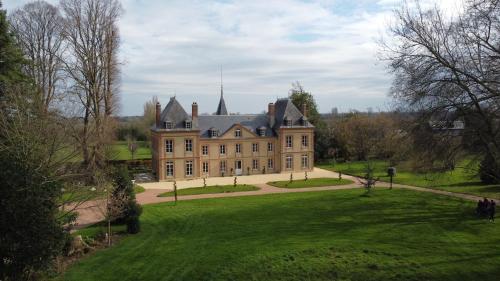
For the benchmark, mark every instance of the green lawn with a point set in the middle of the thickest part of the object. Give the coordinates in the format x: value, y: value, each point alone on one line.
x: 138, y: 189
x: 329, y: 235
x: 120, y: 151
x: 211, y: 189
x: 310, y: 182
x: 462, y: 179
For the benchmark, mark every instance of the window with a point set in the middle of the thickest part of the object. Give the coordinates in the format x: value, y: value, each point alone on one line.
x: 305, y: 141
x: 255, y: 147
x: 289, y: 141
x: 189, y: 145
x: 188, y: 124
x: 169, y: 146
x: 213, y: 133
x: 255, y: 164
x: 288, y: 122
x: 289, y: 162
x: 204, y: 150
x: 270, y: 163
x: 189, y: 168
x: 238, y: 148
x: 170, y: 168
x: 222, y: 149
x: 168, y: 125
x: 305, y: 161
x: 222, y: 166
x: 237, y: 133
x: 262, y: 132
x: 269, y: 146
x: 205, y: 167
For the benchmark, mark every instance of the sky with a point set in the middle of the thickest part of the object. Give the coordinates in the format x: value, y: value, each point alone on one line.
x: 177, y: 48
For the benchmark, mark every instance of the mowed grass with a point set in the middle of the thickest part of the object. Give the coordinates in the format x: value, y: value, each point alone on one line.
x: 120, y: 151
x: 329, y: 235
x: 310, y: 183
x: 211, y: 189
x: 462, y: 179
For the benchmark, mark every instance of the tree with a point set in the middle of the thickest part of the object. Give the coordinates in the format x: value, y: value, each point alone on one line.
x: 322, y: 135
x: 90, y: 32
x: 37, y: 26
x: 446, y: 66
x: 149, y: 116
x: 131, y: 210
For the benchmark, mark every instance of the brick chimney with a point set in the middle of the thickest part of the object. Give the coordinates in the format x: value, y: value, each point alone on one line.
x: 158, y: 112
x: 304, y: 109
x: 271, y: 112
x: 194, y: 113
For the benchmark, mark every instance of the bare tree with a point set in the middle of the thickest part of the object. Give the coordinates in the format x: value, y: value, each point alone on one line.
x: 450, y: 66
x: 91, y: 33
x: 37, y: 26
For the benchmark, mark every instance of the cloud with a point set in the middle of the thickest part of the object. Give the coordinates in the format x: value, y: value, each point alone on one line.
x: 177, y: 47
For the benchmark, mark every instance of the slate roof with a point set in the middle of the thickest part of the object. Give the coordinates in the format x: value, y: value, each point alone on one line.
x: 221, y: 109
x: 174, y: 113
x: 223, y: 122
x: 284, y: 108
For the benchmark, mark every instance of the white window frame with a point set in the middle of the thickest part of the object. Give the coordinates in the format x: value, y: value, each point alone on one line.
x: 305, y: 161
x: 237, y: 133
x: 204, y: 150
x: 222, y: 149
x: 189, y: 168
x: 223, y: 166
x: 213, y: 133
x: 305, y: 141
x: 205, y: 168
x: 255, y: 147
x: 189, y: 124
x: 269, y: 147
x: 289, y: 141
x: 262, y: 132
x: 270, y: 163
x: 255, y: 164
x: 289, y: 162
x: 169, y: 165
x: 238, y: 148
x: 188, y: 145
x: 169, y: 146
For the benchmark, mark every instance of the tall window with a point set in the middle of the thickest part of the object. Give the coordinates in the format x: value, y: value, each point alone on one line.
x: 270, y: 163
x: 237, y: 133
x: 255, y: 164
x: 305, y: 141
x: 170, y: 168
x: 189, y: 168
x: 204, y: 150
x: 289, y: 141
x: 255, y: 147
x: 269, y: 146
x: 238, y: 148
x: 305, y: 161
x: 169, y: 146
x: 205, y: 167
x: 189, y: 145
x: 222, y: 166
x: 222, y: 149
x: 289, y: 161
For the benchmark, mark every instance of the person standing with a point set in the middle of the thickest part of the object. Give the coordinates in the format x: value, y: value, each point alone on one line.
x: 492, y: 210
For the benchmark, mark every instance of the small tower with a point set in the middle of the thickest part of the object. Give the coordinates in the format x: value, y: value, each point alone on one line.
x: 221, y: 109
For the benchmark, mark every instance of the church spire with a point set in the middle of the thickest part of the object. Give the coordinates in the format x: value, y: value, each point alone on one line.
x: 221, y: 109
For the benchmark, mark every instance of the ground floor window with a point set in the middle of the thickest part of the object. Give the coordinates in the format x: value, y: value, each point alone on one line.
x: 255, y: 164
x: 270, y: 163
x: 170, y: 168
x: 305, y: 161
x: 189, y: 168
x: 205, y: 167
x: 289, y: 161
x: 222, y: 166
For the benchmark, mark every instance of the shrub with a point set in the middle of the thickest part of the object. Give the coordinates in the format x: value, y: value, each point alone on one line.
x: 489, y: 170
x: 131, y: 210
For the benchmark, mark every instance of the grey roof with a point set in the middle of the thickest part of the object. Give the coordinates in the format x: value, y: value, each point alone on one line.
x: 225, y: 122
x: 174, y: 112
x: 221, y: 109
x: 284, y: 108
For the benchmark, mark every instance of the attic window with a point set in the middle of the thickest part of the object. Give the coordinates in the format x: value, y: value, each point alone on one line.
x: 288, y: 122
x: 262, y: 132
x: 213, y: 133
x: 304, y: 121
x: 168, y: 125
x: 237, y: 133
x: 188, y: 124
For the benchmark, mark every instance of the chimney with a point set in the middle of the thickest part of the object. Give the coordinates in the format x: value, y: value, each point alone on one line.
x: 271, y: 114
x: 158, y: 111
x: 304, y: 109
x: 194, y: 113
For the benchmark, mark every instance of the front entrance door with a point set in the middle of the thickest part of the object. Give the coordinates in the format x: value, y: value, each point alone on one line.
x: 237, y: 168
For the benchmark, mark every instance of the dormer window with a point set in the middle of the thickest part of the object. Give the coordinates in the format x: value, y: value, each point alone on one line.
x: 213, y: 133
x: 188, y: 124
x: 168, y: 125
x: 288, y: 122
x: 304, y: 121
x: 262, y: 131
